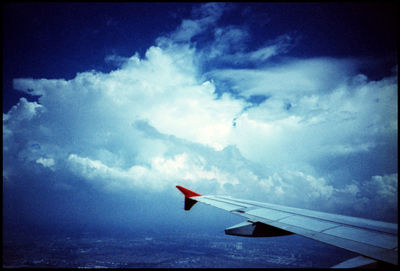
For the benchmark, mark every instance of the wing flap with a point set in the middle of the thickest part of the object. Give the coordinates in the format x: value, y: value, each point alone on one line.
x: 269, y: 214
x: 309, y: 223
x: 368, y: 250
x: 358, y: 261
x: 379, y: 239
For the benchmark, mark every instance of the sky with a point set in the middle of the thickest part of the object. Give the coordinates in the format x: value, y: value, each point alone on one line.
x: 108, y: 106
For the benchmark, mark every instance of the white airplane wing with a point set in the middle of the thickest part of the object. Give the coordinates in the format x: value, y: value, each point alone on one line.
x: 375, y: 241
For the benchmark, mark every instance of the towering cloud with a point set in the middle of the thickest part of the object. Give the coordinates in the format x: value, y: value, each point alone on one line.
x: 301, y: 132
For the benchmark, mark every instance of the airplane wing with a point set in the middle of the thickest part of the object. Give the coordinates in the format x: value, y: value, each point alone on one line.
x: 375, y: 241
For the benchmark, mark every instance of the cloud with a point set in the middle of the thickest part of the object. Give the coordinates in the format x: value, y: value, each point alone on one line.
x: 168, y: 119
x: 115, y: 60
x: 307, y: 116
x: 46, y: 162
x: 23, y: 111
x: 291, y: 78
x: 379, y: 191
x: 161, y: 172
x: 208, y: 14
x: 224, y: 45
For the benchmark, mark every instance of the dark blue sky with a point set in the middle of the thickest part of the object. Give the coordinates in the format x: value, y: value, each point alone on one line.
x: 290, y: 103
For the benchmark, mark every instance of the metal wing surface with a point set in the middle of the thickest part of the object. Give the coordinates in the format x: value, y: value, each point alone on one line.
x: 373, y: 239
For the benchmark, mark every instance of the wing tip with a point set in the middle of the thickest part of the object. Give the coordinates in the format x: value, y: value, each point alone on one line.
x: 188, y: 193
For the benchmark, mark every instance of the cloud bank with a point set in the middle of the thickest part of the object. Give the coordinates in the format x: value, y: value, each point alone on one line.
x: 300, y: 132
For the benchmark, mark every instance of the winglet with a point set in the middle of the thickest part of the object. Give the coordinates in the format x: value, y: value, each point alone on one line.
x: 188, y: 194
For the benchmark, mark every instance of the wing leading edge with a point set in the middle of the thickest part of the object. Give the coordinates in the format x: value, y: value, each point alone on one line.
x: 373, y: 239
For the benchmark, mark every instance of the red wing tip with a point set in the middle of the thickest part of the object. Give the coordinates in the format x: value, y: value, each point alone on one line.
x: 188, y: 193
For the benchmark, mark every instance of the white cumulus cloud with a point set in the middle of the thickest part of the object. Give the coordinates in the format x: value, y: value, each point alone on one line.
x: 161, y: 120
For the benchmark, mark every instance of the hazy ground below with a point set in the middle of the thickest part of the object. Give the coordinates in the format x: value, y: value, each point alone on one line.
x: 92, y: 250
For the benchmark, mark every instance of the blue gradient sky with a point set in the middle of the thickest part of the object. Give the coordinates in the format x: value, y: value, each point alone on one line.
x: 106, y: 107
